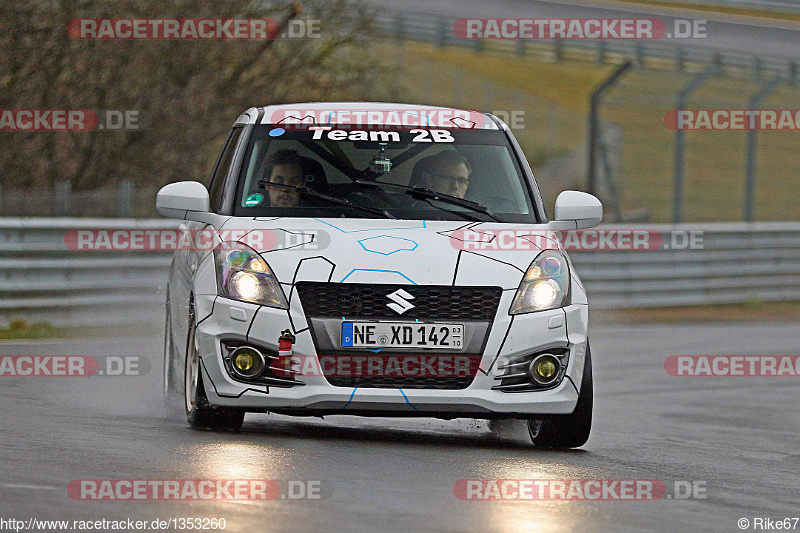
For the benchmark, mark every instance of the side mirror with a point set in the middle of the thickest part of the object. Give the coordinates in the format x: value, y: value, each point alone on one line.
x: 578, y: 208
x: 179, y: 200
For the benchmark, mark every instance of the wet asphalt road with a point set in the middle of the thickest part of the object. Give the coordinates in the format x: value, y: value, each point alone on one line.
x: 738, y: 435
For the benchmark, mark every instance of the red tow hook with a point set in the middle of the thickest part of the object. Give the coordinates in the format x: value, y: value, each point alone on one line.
x: 285, y: 342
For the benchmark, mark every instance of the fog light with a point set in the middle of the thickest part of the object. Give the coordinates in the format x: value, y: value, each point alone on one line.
x: 544, y: 369
x: 247, y: 362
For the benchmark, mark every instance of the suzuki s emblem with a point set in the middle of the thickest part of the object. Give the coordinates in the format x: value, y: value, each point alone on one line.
x: 400, y: 299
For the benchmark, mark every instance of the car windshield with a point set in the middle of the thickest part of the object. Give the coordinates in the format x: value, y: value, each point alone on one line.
x: 315, y: 171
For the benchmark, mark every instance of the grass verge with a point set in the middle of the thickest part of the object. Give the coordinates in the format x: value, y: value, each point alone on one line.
x: 555, y: 99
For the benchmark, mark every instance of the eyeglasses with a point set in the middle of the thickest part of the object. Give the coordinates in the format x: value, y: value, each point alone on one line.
x: 461, y: 182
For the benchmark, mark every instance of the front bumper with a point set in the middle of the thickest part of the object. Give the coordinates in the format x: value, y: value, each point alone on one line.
x: 220, y: 318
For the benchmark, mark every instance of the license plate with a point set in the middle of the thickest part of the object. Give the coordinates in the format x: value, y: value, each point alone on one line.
x: 402, y: 335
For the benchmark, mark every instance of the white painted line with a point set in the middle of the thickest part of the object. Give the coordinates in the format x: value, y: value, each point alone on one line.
x: 26, y: 487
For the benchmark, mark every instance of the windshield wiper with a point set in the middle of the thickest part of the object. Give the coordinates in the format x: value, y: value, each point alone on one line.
x: 302, y: 189
x: 425, y: 193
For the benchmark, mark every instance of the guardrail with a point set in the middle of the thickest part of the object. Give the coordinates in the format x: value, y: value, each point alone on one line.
x: 438, y: 30
x: 42, y: 280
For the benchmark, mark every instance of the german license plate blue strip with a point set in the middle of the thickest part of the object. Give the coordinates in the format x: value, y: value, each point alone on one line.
x: 347, y: 333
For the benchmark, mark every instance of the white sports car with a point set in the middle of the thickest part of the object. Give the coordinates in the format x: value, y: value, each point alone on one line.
x: 377, y: 260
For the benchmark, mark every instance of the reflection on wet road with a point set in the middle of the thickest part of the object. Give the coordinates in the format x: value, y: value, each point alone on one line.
x: 738, y: 435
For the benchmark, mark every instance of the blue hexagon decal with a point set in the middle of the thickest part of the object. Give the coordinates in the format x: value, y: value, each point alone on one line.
x: 387, y: 245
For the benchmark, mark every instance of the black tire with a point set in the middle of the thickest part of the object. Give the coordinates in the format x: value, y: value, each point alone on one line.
x: 199, y: 413
x: 568, y: 431
x: 170, y: 383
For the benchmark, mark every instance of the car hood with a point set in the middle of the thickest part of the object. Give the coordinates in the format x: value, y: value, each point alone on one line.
x: 392, y: 251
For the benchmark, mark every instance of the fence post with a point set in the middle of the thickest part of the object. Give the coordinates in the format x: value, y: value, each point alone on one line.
x: 441, y: 37
x: 521, y: 47
x: 680, y: 60
x: 638, y: 51
x: 458, y: 87
x: 519, y: 105
x: 680, y: 140
x: 399, y: 28
x: 594, y: 122
x: 601, y: 52
x: 552, y: 125
x: 125, y: 199
x: 758, y: 68
x: 62, y: 193
x: 750, y: 176
x: 558, y: 50
x: 488, y: 92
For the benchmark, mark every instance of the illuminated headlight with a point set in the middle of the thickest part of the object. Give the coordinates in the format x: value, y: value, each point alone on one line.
x: 544, y: 286
x: 243, y: 275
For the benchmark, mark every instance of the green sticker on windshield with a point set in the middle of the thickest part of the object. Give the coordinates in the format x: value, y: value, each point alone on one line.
x: 253, y: 200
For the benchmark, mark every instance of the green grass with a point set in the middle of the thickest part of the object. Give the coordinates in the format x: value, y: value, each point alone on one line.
x: 715, y: 161
x: 19, y: 329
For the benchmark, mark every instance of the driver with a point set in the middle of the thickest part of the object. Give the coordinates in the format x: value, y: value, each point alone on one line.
x: 448, y: 173
x: 284, y: 167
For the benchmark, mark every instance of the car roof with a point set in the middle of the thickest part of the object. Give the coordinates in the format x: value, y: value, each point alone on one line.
x: 370, y: 114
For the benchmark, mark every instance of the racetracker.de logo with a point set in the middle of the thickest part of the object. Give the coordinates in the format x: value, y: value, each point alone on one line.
x: 197, y: 489
x: 595, y: 240
x: 73, y: 365
x: 733, y: 119
x: 560, y: 489
x: 170, y: 240
x: 733, y: 365
x: 47, y: 119
x: 70, y: 120
x: 173, y: 29
x: 423, y: 117
x: 379, y: 365
x: 560, y: 28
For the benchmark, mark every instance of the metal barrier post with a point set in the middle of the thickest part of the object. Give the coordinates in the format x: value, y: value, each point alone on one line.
x: 399, y: 29
x: 594, y: 122
x: 680, y: 140
x: 752, y: 149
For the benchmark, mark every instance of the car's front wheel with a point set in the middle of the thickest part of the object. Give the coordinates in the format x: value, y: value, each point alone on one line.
x: 199, y: 413
x: 568, y: 431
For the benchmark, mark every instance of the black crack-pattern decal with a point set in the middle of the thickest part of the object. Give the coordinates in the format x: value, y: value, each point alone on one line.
x: 500, y: 349
x: 265, y: 391
x: 496, y: 260
x: 213, y: 303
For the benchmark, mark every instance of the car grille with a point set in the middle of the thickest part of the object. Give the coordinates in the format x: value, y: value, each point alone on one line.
x: 384, y: 382
x: 368, y: 301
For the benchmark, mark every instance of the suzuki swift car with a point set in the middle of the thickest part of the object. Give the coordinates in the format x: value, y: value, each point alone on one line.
x: 377, y: 260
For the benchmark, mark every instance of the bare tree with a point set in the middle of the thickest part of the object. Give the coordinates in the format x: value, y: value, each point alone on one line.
x: 189, y: 92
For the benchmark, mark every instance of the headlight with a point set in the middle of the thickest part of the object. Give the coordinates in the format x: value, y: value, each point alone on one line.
x: 243, y: 275
x: 544, y: 286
